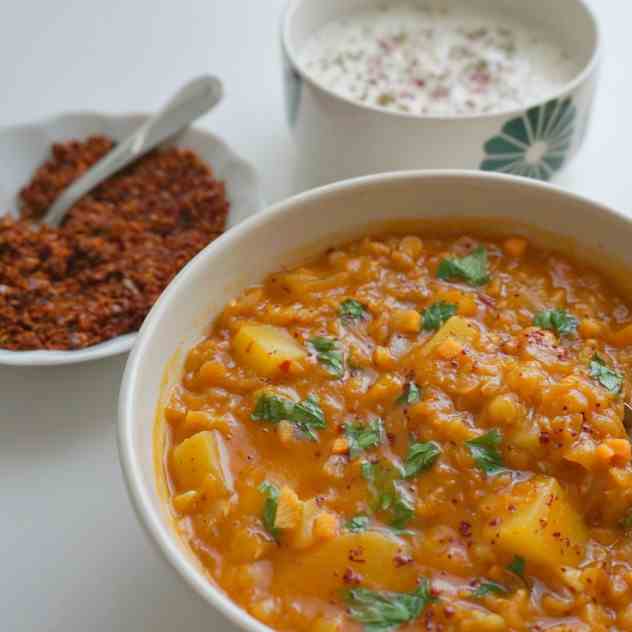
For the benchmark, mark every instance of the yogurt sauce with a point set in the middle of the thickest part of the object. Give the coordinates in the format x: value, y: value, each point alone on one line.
x: 409, y: 57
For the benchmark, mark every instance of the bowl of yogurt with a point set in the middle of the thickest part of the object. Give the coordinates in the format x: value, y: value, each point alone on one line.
x: 384, y: 85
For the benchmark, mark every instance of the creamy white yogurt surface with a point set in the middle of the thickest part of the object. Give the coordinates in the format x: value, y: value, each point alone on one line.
x: 408, y: 57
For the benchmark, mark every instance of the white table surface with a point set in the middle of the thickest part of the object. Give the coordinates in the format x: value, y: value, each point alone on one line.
x: 73, y: 557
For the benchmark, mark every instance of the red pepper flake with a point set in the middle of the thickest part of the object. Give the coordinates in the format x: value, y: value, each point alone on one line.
x: 356, y: 555
x: 98, y: 275
x: 402, y: 560
x: 351, y: 578
x: 441, y: 92
x: 465, y: 528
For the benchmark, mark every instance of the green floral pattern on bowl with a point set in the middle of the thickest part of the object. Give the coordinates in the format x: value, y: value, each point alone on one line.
x: 534, y: 145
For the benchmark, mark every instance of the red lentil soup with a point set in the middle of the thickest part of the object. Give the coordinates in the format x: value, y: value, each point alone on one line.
x: 415, y: 433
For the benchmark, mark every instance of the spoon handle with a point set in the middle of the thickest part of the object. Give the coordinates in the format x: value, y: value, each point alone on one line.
x: 194, y: 99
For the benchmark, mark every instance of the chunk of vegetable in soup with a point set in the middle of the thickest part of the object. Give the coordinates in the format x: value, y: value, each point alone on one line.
x: 456, y: 60
x: 415, y: 433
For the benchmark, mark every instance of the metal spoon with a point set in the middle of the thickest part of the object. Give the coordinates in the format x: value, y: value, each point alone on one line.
x: 190, y: 102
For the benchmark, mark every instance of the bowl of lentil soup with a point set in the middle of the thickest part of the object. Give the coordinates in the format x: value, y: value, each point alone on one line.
x: 426, y: 84
x: 80, y: 292
x: 405, y: 409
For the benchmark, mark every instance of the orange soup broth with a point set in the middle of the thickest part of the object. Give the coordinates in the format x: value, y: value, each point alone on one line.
x: 413, y: 415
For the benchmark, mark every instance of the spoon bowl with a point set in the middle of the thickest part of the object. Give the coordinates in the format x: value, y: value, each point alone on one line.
x: 193, y: 100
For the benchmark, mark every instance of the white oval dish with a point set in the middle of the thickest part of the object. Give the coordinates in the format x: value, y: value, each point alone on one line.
x: 24, y: 147
x: 285, y: 235
x: 339, y: 138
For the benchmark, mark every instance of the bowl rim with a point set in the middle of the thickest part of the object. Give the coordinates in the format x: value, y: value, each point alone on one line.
x: 581, y: 77
x: 124, y: 342
x: 165, y: 537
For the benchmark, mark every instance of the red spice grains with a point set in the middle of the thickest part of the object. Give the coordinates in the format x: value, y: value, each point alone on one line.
x: 98, y: 275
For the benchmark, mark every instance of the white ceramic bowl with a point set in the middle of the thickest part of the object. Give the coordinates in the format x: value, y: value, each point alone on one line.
x: 338, y: 138
x: 285, y: 235
x: 23, y: 148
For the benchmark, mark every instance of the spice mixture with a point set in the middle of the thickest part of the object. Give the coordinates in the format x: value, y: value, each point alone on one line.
x: 411, y: 58
x: 98, y: 275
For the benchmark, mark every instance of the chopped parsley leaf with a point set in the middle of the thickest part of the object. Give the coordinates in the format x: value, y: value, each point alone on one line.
x: 271, y: 493
x: 472, y: 269
x: 364, y: 436
x: 611, y: 380
x: 368, y: 471
x: 357, y: 524
x: 402, y: 507
x: 421, y: 457
x: 435, y: 315
x: 352, y: 310
x: 411, y: 395
x: 484, y: 451
x: 329, y: 355
x: 389, y: 494
x: 306, y: 415
x: 383, y: 611
x: 489, y: 588
x: 272, y: 408
x: 557, y: 320
x: 517, y: 566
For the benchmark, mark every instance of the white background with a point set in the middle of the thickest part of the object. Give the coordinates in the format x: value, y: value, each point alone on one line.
x: 72, y: 556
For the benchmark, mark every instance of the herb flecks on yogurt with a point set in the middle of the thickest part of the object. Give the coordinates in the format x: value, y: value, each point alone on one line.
x: 410, y: 58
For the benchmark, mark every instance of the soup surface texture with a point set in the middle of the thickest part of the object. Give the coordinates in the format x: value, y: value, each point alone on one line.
x: 415, y: 433
x: 453, y: 60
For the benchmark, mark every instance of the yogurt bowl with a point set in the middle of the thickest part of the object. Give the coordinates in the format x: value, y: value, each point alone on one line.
x: 339, y: 136
x: 286, y: 235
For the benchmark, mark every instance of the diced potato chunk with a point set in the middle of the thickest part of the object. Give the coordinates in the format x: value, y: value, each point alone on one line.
x: 198, y: 457
x: 457, y: 328
x: 300, y: 283
x: 187, y: 502
x: 326, y: 525
x: 539, y: 523
x: 197, y: 420
x: 302, y: 536
x: 289, y: 509
x: 266, y: 349
x: 297, y: 283
x: 371, y: 554
x: 247, y: 545
x: 327, y: 624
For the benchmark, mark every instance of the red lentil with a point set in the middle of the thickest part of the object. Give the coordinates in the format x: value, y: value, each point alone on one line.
x: 97, y: 276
